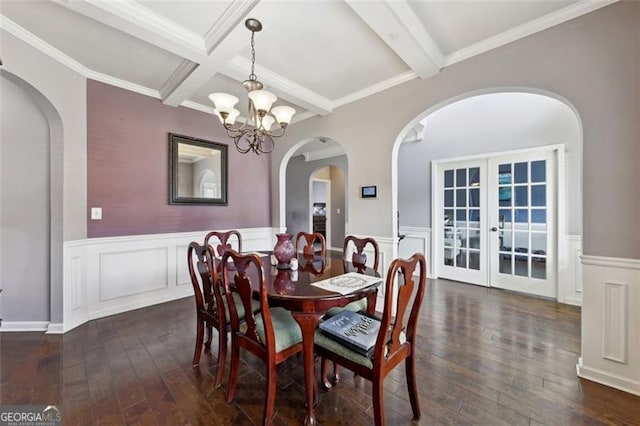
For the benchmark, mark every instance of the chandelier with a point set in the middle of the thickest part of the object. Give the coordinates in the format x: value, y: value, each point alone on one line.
x: 259, y: 136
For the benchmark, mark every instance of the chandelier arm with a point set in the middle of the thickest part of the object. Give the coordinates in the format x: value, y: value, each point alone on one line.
x: 278, y: 133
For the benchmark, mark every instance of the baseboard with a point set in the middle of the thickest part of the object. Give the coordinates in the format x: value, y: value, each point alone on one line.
x: 575, y: 301
x: 55, y: 328
x: 126, y: 307
x: 607, y: 379
x: 10, y: 326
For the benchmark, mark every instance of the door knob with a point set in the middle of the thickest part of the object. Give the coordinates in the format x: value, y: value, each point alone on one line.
x: 494, y: 229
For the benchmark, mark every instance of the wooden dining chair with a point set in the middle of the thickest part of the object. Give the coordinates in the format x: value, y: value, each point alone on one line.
x: 395, y: 341
x: 353, y: 250
x: 354, y: 259
x: 222, y: 241
x: 208, y: 298
x: 272, y: 334
x: 309, y: 240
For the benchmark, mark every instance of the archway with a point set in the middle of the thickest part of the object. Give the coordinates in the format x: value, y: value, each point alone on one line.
x: 299, y: 168
x: 54, y: 206
x: 489, y: 122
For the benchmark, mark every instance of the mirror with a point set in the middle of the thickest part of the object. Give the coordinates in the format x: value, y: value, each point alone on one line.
x: 197, y: 171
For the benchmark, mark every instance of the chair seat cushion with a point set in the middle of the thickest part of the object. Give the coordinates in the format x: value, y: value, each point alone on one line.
x: 357, y: 306
x: 255, y: 305
x: 285, y: 328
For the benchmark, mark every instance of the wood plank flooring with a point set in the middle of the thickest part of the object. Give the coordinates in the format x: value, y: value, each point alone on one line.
x: 485, y: 357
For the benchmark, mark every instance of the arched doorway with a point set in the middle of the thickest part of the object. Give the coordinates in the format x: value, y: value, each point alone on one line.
x: 31, y: 205
x: 315, y: 160
x: 473, y: 129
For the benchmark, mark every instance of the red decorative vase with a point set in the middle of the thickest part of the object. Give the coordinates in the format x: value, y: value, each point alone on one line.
x: 284, y: 250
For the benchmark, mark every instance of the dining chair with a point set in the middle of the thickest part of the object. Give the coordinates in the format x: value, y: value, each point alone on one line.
x: 356, y: 246
x: 222, y: 241
x: 208, y: 298
x: 273, y: 335
x: 310, y: 240
x: 396, y: 338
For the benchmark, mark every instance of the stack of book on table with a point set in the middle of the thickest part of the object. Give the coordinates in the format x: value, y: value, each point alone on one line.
x: 358, y: 332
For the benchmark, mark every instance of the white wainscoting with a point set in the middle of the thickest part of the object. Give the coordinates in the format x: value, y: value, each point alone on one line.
x: 106, y: 276
x: 570, y: 270
x: 611, y: 322
x: 416, y: 240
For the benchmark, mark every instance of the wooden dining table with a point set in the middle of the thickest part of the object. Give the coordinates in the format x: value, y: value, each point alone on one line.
x: 293, y: 290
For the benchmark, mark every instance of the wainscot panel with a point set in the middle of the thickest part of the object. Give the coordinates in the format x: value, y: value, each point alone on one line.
x: 106, y: 276
x: 611, y: 331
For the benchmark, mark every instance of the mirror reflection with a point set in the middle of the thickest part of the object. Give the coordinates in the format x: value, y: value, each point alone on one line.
x: 198, y: 171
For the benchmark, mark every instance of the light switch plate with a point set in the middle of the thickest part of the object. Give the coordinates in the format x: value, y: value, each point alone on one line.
x: 96, y: 213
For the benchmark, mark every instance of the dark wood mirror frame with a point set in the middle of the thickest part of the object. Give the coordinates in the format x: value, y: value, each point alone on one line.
x: 212, y: 184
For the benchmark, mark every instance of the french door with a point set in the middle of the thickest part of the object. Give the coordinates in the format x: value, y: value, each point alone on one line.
x: 496, y: 221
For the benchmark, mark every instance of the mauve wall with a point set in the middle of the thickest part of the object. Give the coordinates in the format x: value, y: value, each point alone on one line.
x: 128, y: 168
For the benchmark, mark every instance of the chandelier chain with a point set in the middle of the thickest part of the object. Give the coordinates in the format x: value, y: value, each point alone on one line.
x: 252, y: 76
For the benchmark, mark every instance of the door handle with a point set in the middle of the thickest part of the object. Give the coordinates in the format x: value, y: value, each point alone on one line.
x: 494, y: 229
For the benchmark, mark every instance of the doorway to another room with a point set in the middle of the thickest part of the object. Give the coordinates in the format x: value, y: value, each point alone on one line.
x: 320, y: 200
x: 490, y: 187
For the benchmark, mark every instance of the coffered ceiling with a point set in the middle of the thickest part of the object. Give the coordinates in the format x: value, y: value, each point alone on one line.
x: 316, y: 55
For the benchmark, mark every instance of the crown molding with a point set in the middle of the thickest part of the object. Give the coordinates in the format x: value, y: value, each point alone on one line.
x: 285, y: 88
x: 565, y: 14
x: 138, y: 21
x: 373, y: 89
x: 143, y: 17
x: 302, y: 116
x: 123, y: 84
x: 41, y: 45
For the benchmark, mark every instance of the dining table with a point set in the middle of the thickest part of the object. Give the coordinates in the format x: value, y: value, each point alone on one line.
x: 295, y: 291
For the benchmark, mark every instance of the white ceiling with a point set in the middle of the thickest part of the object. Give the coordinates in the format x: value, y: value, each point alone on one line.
x: 316, y: 55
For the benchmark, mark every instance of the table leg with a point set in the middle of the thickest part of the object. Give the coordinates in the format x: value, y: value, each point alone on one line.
x: 308, y: 323
x: 371, y: 302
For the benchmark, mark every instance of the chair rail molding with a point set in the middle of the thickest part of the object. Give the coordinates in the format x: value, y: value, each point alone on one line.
x: 106, y: 276
x: 611, y: 322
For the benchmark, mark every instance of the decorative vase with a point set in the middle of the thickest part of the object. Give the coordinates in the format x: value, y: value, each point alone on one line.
x: 284, y: 250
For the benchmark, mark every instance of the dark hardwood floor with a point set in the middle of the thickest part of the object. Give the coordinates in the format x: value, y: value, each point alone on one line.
x: 485, y: 357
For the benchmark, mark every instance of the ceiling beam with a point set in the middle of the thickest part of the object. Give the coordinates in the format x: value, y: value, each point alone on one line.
x: 226, y: 38
x: 140, y: 22
x: 397, y: 25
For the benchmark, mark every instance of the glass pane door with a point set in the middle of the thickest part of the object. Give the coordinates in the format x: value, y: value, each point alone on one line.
x: 461, y: 213
x: 522, y: 223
